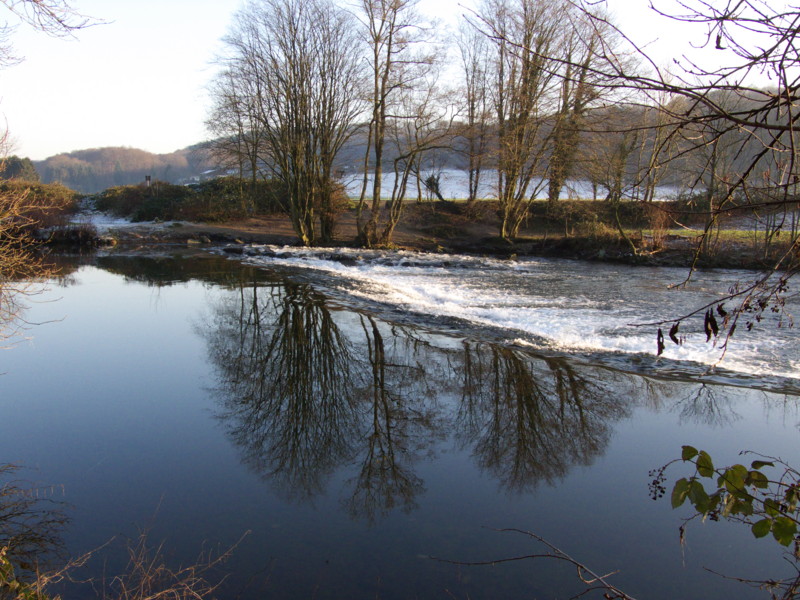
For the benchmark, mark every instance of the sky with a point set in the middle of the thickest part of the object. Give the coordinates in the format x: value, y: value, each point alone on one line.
x: 139, y: 80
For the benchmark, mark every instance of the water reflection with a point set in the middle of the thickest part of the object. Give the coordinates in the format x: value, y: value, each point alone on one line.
x: 399, y: 422
x: 21, y: 281
x: 302, y: 394
x: 31, y: 523
x: 704, y: 405
x: 286, y: 379
x: 529, y: 419
x: 306, y: 388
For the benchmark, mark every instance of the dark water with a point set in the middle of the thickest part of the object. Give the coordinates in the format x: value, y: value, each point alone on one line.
x: 208, y: 400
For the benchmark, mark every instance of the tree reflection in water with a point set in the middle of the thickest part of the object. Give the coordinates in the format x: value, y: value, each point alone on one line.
x: 302, y: 397
x: 307, y: 389
x: 400, y: 424
x: 529, y: 419
x: 285, y: 375
x: 704, y: 405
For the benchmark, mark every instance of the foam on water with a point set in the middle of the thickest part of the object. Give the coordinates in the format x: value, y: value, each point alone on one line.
x: 561, y: 304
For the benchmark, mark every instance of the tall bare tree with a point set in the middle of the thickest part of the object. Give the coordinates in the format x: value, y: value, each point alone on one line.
x: 578, y: 89
x: 477, y: 126
x: 237, y: 134
x: 303, y: 62
x: 524, y: 35
x: 400, y: 59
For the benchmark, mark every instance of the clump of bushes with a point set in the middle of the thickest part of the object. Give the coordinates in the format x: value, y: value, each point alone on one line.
x: 160, y: 200
x: 220, y: 199
x: 30, y: 206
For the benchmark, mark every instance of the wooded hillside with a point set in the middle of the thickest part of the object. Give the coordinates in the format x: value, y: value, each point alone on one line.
x: 93, y: 170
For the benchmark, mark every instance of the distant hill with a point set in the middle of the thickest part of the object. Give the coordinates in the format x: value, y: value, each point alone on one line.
x: 93, y: 170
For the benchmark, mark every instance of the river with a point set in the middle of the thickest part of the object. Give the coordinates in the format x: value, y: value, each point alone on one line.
x: 357, y: 416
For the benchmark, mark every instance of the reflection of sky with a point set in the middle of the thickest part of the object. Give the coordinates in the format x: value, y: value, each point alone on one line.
x: 113, y: 403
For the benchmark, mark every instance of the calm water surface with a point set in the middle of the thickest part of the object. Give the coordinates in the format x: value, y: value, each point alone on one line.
x: 353, y: 439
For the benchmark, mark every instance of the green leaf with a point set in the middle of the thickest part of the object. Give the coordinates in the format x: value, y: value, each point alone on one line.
x: 743, y: 507
x: 733, y: 479
x: 698, y: 497
x: 759, y: 464
x: 761, y: 528
x: 704, y: 464
x: 771, y: 507
x: 757, y: 479
x: 679, y: 492
x: 688, y: 453
x: 792, y: 496
x: 784, y: 530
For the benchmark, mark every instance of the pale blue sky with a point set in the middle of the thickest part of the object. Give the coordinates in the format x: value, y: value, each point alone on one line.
x: 139, y: 80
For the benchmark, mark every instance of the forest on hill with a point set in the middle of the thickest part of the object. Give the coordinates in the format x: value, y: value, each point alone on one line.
x: 93, y: 170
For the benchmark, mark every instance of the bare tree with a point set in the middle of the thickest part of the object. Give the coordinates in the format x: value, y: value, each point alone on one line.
x: 477, y: 128
x: 238, y: 136
x: 718, y: 109
x: 656, y: 149
x: 421, y: 124
x: 523, y: 35
x: 400, y: 59
x: 53, y: 17
x: 302, y: 62
x: 578, y: 90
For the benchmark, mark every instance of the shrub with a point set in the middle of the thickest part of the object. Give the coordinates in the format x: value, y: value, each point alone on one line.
x: 218, y: 199
x: 160, y: 200
x: 592, y: 228
x: 43, y: 204
x: 271, y: 197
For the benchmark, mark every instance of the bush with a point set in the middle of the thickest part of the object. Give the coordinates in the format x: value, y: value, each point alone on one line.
x: 44, y: 204
x: 592, y: 228
x: 231, y: 197
x: 219, y: 199
x: 160, y: 200
x: 271, y: 197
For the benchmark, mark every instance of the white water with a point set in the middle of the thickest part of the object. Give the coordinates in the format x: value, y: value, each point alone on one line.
x: 566, y: 305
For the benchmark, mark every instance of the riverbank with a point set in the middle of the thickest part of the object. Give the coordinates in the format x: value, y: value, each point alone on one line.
x: 429, y: 228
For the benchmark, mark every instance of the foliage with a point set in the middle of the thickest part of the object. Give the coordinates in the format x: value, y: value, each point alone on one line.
x: 740, y: 493
x: 146, y: 576
x: 265, y: 196
x: 74, y: 235
x: 37, y: 205
x: 24, y: 209
x: 215, y: 200
x: 142, y: 202
x: 11, y: 587
x: 29, y: 534
x: 764, y: 496
x: 15, y: 167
